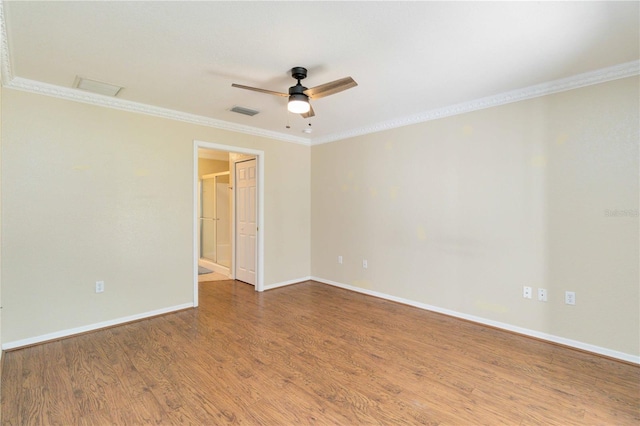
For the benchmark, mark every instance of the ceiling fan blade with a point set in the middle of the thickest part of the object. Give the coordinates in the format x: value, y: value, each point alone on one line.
x: 255, y: 89
x: 308, y: 114
x: 330, y: 88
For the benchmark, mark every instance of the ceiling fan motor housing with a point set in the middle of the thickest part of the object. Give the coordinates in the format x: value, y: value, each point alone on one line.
x: 298, y: 89
x: 299, y: 73
x: 297, y: 92
x: 298, y: 100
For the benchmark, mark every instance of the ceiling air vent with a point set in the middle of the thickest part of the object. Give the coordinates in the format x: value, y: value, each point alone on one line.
x: 245, y: 111
x: 96, y: 86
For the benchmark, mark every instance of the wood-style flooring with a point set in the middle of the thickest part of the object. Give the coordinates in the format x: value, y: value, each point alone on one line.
x: 311, y: 354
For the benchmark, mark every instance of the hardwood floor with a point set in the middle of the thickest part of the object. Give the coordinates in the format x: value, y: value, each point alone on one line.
x: 311, y: 353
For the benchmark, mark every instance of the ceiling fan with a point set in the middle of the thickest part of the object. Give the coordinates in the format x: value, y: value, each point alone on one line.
x: 299, y: 95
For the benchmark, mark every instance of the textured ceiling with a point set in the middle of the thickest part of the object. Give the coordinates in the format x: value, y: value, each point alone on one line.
x: 407, y: 58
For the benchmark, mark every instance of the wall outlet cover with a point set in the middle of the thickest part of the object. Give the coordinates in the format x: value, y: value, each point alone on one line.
x: 542, y: 294
x: 570, y: 297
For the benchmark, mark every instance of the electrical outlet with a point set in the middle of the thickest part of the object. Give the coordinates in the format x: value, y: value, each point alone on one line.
x: 542, y: 294
x: 340, y: 260
x: 364, y: 264
x: 570, y: 297
x: 99, y: 286
x: 526, y: 292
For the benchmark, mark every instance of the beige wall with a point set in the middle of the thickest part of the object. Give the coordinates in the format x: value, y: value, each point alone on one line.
x: 1, y: 89
x: 460, y: 213
x: 208, y: 166
x: 91, y: 193
x: 457, y: 213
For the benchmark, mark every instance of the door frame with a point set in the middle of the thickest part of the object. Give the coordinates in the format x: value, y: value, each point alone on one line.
x: 259, y: 154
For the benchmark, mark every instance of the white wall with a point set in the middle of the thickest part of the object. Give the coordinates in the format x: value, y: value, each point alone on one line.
x: 462, y: 212
x: 91, y: 193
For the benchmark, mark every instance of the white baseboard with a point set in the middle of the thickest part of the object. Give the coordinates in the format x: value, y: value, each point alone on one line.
x: 73, y: 331
x: 285, y: 283
x: 524, y: 331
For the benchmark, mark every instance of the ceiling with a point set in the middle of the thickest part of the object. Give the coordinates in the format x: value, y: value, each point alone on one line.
x: 410, y: 59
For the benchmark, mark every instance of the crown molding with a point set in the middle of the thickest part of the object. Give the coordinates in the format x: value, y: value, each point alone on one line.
x: 18, y: 83
x: 581, y: 80
x: 5, y: 62
x: 603, y: 75
x: 77, y: 95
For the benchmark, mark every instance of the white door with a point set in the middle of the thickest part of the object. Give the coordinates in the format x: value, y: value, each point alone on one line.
x: 246, y: 223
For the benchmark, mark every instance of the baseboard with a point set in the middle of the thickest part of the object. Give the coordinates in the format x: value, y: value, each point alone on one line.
x: 92, y: 327
x: 508, y: 327
x: 285, y: 283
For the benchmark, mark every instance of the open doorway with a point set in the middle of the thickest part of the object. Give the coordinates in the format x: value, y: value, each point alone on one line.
x: 214, y: 216
x: 211, y: 244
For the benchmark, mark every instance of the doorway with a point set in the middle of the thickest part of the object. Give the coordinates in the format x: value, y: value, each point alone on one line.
x: 237, y: 155
x: 215, y: 222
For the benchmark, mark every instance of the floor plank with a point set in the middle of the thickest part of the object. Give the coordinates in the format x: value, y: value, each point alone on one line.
x: 311, y: 354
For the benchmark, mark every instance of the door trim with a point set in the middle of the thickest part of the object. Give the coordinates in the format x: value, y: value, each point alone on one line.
x: 259, y: 204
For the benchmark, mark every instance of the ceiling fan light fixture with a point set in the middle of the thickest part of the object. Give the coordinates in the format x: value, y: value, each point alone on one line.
x: 298, y: 103
x: 299, y: 95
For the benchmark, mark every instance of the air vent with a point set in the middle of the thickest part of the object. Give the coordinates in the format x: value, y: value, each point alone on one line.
x: 96, y: 86
x: 245, y: 111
